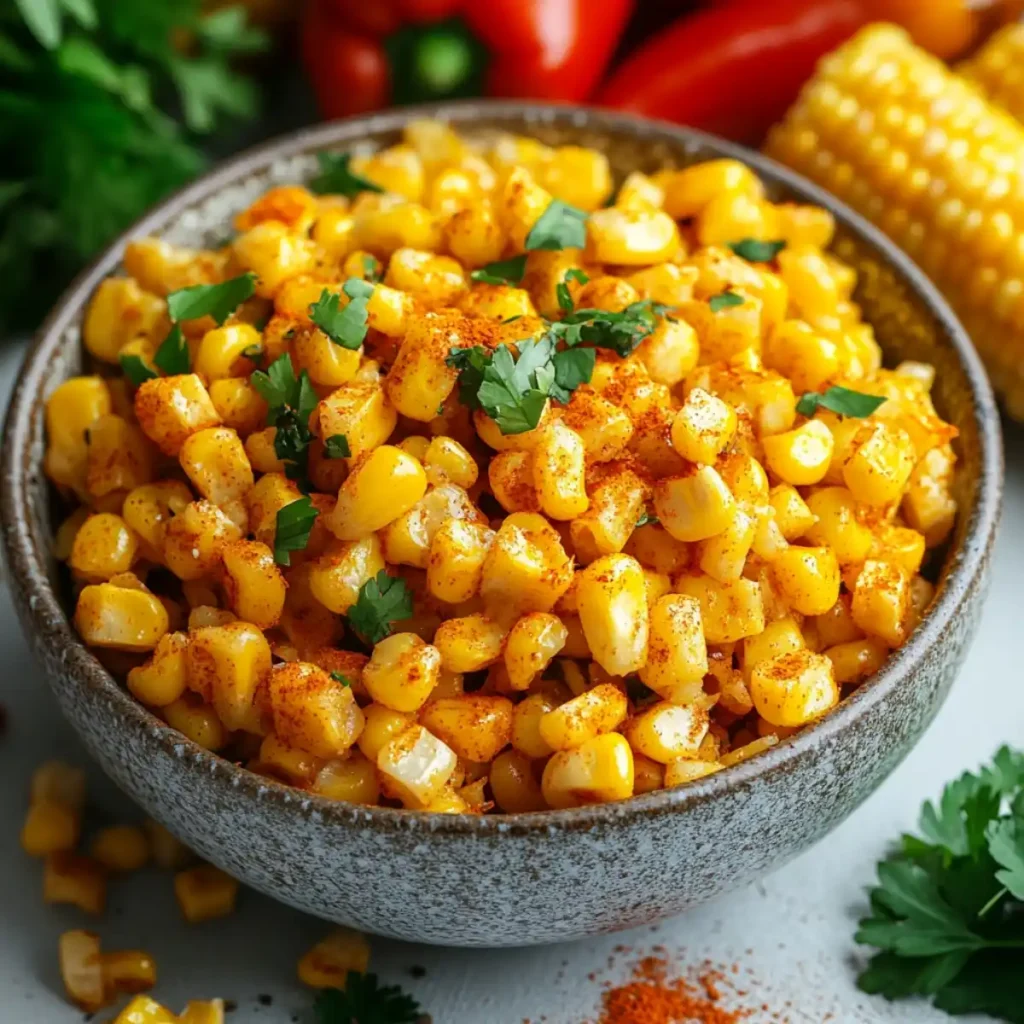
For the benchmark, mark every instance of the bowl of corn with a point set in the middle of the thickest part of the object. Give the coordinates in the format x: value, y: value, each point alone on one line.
x: 500, y: 523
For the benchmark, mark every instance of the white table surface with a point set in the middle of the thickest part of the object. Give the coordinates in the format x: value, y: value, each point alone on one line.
x: 792, y: 931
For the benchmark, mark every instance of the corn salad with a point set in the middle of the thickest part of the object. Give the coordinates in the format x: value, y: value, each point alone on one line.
x: 463, y: 480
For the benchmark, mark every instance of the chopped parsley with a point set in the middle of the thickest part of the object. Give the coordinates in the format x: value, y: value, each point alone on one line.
x: 216, y: 300
x: 621, y: 331
x: 172, y: 356
x: 340, y: 677
x: 646, y: 519
x: 371, y: 269
x: 291, y: 400
x: 136, y: 370
x: 381, y: 601
x: 756, y: 251
x: 344, y: 325
x: 336, y: 177
x: 509, y: 271
x: 724, y: 300
x: 560, y: 226
x: 565, y: 301
x: 336, y: 447
x: 843, y: 401
x: 294, y: 524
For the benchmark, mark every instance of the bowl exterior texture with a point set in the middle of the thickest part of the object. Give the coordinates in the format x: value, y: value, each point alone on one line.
x: 514, y: 880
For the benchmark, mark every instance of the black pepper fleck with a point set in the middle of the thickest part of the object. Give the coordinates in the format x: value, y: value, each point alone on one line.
x: 417, y: 971
x: 265, y: 1000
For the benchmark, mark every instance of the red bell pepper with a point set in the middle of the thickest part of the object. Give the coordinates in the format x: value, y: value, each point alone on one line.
x: 366, y: 54
x: 735, y: 68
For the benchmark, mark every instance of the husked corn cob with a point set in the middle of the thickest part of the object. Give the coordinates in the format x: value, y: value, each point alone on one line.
x: 921, y: 152
x: 997, y: 69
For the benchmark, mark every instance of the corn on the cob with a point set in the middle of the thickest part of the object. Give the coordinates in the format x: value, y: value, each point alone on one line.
x: 997, y: 69
x: 922, y: 153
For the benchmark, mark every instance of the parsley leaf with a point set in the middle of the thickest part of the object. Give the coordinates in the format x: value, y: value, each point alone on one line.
x: 560, y: 226
x: 756, y: 251
x: 1006, y: 844
x: 562, y: 288
x: 365, y: 1001
x: 381, y: 601
x: 839, y: 400
x: 291, y: 400
x: 509, y: 271
x: 514, y: 392
x: 216, y: 300
x: 371, y: 269
x: 573, y: 367
x: 336, y: 447
x: 172, y: 356
x: 621, y: 332
x: 724, y: 300
x: 345, y: 326
x: 294, y: 524
x: 340, y: 677
x: 136, y: 370
x: 336, y: 178
x: 646, y: 519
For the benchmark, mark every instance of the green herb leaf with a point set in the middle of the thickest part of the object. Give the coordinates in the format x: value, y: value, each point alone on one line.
x: 294, y: 524
x: 756, y: 251
x: 840, y: 400
x: 621, y: 332
x: 340, y: 677
x: 511, y: 392
x: 365, y: 1001
x: 136, y: 370
x: 724, y: 300
x: 82, y: 11
x: 172, y: 356
x: 44, y: 20
x: 565, y: 301
x: 345, y: 326
x: 336, y: 447
x: 646, y: 519
x: 381, y: 601
x: 371, y: 269
x: 254, y: 353
x: 573, y: 367
x: 216, y: 300
x: 560, y: 226
x: 1006, y: 845
x: 280, y: 387
x: 208, y: 89
x: 336, y: 178
x: 509, y: 271
x: 227, y: 31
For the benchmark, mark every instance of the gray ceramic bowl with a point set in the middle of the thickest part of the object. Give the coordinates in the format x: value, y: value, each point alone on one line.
x: 514, y: 879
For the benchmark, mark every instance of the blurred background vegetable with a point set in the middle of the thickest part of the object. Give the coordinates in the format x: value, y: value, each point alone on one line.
x: 100, y: 105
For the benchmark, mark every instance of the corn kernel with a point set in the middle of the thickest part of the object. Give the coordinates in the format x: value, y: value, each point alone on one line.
x: 475, y: 726
x: 695, y: 506
x: 677, y: 658
x: 329, y: 962
x: 415, y: 766
x: 728, y: 611
x: 599, y: 771
x: 800, y: 456
x: 204, y: 893
x: 402, y: 672
x: 121, y: 848
x: 793, y: 688
x: 313, y: 711
x: 807, y: 578
x: 514, y: 785
x: 881, y: 601
x: 76, y: 880
x: 666, y: 732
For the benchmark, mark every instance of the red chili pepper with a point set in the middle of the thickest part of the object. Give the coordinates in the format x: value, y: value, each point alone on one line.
x: 733, y: 69
x: 364, y: 54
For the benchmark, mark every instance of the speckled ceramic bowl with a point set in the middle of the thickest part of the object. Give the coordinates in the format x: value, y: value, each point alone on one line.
x: 514, y: 879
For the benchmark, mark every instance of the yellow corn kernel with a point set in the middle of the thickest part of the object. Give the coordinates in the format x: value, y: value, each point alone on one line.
x: 313, y: 711
x: 119, y: 457
x: 631, y: 237
x: 433, y: 281
x: 695, y: 506
x: 648, y: 775
x: 591, y: 714
x: 338, y: 575
x: 407, y: 539
x: 838, y: 527
x: 723, y: 556
x: 807, y: 578
x: 402, y: 672
x: 272, y: 252
x: 639, y: 192
x: 360, y: 411
x: 607, y: 292
x: 526, y: 568
x: 514, y: 785
x: 780, y: 637
x: 118, y: 312
x: 329, y: 963
x: 222, y: 351
x: 655, y: 548
x: 530, y: 646
x: 120, y: 618
x: 727, y: 333
x: 415, y: 766
x: 455, y: 563
x: 808, y: 357
x: 881, y: 604
x: 130, y: 970
x: 121, y: 848
x: 521, y: 201
x: 148, y: 509
x: 198, y: 721
x: 879, y: 465
x: 352, y: 779
x: 728, y: 611
x: 684, y: 770
x: 688, y: 191
x: 792, y: 516
x: 703, y: 427
x: 856, y: 659
x: 474, y: 235
x: 469, y: 644
x: 677, y: 658
x: 800, y: 456
x: 195, y: 538
x: 382, y: 486
x: 289, y: 204
x: 253, y: 584
x: 60, y: 783
x: 143, y: 1010
x: 475, y: 726
x: 71, y: 410
x: 901, y: 545
x: 382, y: 724
x: 511, y: 477
x: 50, y: 826
x: 578, y: 176
x: 558, y: 472
x: 729, y: 216
x: 216, y: 463
x: 604, y: 428
x: 447, y: 461
x: 168, y: 851
x: 670, y: 351
x: 104, y: 546
x: 280, y: 759
x: 227, y: 666
x: 204, y: 893
x: 203, y: 1011
x: 615, y: 506
x: 611, y: 596
x: 81, y: 970
x: 387, y: 223
x: 527, y: 715
x: 76, y: 880
x: 64, y: 536
x: 206, y: 615
x: 793, y: 689
x: 171, y: 409
x: 599, y: 771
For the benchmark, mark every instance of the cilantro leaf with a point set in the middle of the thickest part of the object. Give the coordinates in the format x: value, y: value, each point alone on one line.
x: 345, y: 326
x: 336, y: 447
x: 560, y: 226
x: 280, y: 387
x: 573, y: 367
x: 216, y: 300
x: 172, y: 356
x: 511, y: 393
x: 509, y: 271
x: 365, y: 1001
x: 621, y: 332
x: 471, y: 363
x: 756, y: 251
x: 340, y: 677
x: 646, y: 519
x: 136, y: 370
x: 1006, y: 845
x: 294, y: 524
x: 381, y: 601
x: 565, y: 301
x: 724, y: 300
x: 839, y: 400
x: 336, y: 178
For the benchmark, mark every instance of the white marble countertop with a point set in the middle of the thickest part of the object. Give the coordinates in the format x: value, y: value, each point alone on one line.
x: 792, y: 931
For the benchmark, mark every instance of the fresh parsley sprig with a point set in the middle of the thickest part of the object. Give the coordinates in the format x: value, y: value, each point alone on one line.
x: 565, y: 300
x: 136, y: 370
x: 383, y: 600
x: 724, y: 300
x: 501, y: 272
x: 291, y: 401
x: 337, y: 178
x: 560, y: 226
x: 344, y: 325
x: 620, y: 331
x: 948, y: 912
x: 293, y: 527
x: 843, y: 401
x: 364, y: 1000
x: 216, y: 300
x: 172, y: 356
x: 756, y: 251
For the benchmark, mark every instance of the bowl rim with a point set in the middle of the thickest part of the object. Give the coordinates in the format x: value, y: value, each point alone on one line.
x: 40, y: 603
